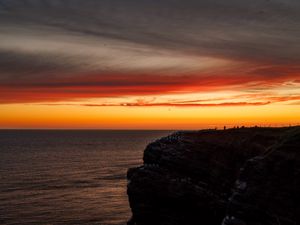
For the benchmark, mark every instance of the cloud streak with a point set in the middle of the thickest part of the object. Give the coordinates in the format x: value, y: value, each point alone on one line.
x: 251, y: 100
x: 167, y: 104
x: 122, y: 85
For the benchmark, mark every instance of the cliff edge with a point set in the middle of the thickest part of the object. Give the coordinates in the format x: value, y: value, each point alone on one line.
x: 246, y: 176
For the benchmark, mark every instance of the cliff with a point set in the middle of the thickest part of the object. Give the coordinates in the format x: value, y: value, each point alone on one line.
x: 246, y: 176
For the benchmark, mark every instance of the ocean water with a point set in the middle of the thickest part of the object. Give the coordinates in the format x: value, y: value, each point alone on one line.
x: 68, y: 177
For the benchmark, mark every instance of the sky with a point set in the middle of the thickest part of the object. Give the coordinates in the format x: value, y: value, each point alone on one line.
x: 149, y: 64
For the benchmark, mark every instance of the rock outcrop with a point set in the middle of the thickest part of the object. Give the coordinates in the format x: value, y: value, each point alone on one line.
x: 246, y: 176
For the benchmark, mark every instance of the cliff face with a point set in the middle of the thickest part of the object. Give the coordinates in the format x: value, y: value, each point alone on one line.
x: 233, y: 177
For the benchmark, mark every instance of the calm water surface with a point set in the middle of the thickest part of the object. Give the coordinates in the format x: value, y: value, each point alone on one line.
x: 68, y: 177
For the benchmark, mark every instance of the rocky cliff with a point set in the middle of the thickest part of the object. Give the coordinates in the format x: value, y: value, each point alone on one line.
x: 246, y: 176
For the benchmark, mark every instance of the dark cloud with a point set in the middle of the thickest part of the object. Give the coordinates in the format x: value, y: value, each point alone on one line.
x: 23, y: 64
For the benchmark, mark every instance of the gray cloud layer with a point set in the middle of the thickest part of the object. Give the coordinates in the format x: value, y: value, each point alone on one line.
x: 251, y: 30
x: 260, y: 37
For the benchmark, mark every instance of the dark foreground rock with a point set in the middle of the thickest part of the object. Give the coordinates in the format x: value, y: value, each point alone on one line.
x: 247, y: 176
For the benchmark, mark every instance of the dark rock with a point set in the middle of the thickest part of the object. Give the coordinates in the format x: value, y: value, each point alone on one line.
x: 271, y: 188
x: 211, y: 177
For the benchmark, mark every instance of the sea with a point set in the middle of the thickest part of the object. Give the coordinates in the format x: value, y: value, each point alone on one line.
x: 68, y: 176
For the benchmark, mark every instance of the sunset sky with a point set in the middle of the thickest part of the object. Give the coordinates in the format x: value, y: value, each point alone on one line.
x: 149, y: 64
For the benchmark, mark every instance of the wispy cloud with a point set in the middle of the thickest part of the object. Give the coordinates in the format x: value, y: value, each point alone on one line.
x: 228, y: 101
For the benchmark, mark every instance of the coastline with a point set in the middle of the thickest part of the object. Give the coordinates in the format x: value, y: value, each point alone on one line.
x: 233, y: 176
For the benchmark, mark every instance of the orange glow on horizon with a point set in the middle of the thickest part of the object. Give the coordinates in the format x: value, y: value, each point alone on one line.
x: 16, y: 116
